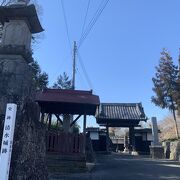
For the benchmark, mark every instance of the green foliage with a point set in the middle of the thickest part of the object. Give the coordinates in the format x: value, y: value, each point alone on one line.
x: 59, y: 127
x: 63, y: 82
x: 165, y: 85
x: 177, y: 94
x: 165, y: 82
x: 76, y: 128
x: 40, y: 79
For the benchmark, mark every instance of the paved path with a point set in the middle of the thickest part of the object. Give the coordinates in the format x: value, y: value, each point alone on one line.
x: 125, y: 167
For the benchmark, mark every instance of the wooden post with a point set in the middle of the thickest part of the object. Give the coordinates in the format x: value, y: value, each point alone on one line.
x: 74, y: 65
x: 84, y: 133
x: 66, y: 123
x: 50, y: 119
x: 57, y: 123
x: 107, y: 137
x: 131, y: 138
x: 42, y: 116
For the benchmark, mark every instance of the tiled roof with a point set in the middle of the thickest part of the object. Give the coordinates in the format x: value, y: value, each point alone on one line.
x: 122, y: 111
x: 67, y: 96
x: 115, y: 113
x: 67, y: 101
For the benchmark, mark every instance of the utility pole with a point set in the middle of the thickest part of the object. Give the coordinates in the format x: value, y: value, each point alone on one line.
x: 74, y: 65
x: 179, y: 60
x: 73, y: 78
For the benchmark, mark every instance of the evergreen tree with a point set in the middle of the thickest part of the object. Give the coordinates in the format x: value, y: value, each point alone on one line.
x: 165, y: 85
x: 63, y: 82
x: 177, y: 95
x: 40, y: 79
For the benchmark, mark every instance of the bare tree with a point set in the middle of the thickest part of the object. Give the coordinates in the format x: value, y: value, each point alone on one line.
x: 167, y: 128
x: 6, y: 2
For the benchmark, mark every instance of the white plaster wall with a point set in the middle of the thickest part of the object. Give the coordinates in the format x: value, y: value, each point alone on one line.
x: 94, y: 135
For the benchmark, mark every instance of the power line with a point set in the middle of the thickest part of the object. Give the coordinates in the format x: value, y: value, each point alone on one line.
x: 81, y: 77
x: 93, y: 21
x: 85, y: 18
x: 85, y: 33
x: 84, y: 71
x: 66, y: 24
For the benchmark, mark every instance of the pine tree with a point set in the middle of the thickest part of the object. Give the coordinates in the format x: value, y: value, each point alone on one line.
x: 40, y: 79
x: 177, y: 96
x: 63, y: 82
x: 165, y: 85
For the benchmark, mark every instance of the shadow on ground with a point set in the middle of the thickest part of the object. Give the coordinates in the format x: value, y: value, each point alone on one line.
x: 126, y: 167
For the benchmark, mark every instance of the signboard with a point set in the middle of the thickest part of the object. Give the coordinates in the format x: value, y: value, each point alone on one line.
x: 94, y: 135
x: 7, y: 141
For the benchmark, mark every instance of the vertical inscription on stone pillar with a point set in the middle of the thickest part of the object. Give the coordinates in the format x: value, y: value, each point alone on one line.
x: 7, y: 141
x: 155, y: 131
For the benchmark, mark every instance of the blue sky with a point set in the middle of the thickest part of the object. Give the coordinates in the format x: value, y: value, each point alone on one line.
x: 121, y: 51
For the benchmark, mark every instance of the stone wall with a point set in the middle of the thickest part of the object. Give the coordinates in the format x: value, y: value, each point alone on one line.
x: 172, y: 150
x: 29, y: 150
x: 15, y: 81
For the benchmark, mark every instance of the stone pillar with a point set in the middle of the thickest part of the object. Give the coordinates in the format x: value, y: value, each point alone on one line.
x: 15, y: 56
x: 66, y: 123
x: 155, y: 132
x: 16, y: 33
x: 156, y: 150
x: 15, y: 80
x: 126, y: 150
x: 22, y: 2
x: 16, y: 86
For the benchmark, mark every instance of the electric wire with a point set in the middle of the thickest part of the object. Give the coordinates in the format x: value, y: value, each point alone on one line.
x: 85, y: 18
x: 66, y: 25
x: 95, y: 14
x: 81, y: 77
x: 93, y: 21
x: 85, y: 32
x: 84, y: 70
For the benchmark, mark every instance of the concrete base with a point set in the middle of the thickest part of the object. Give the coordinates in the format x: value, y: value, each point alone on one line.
x: 126, y: 150
x: 157, y: 152
x: 135, y: 153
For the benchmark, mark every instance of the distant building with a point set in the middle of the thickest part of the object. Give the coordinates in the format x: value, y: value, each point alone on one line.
x: 98, y: 138
x: 127, y: 115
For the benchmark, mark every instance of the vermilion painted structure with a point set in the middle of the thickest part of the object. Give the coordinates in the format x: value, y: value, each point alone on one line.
x: 72, y: 102
x: 68, y: 101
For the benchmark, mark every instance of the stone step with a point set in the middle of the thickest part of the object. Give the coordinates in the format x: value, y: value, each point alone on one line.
x: 60, y: 163
x: 73, y: 157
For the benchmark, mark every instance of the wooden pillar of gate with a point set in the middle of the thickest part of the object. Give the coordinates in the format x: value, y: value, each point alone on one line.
x: 131, y: 138
x: 42, y: 116
x: 107, y: 137
x: 50, y: 121
x: 84, y: 133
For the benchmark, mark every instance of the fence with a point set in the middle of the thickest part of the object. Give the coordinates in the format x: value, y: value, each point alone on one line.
x: 64, y: 143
